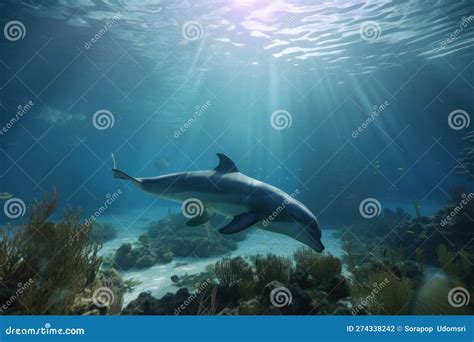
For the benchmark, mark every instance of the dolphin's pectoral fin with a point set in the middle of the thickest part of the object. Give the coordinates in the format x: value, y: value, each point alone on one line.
x: 201, y: 219
x: 239, y: 223
x: 226, y: 165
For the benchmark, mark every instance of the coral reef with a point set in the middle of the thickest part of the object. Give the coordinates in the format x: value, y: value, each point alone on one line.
x: 102, y: 232
x: 184, y: 241
x: 169, y: 238
x: 382, y: 225
x: 239, y: 287
x: 127, y: 257
x: 417, y: 238
x: 209, y: 298
x: 402, y: 252
x: 51, y: 267
x: 146, y: 304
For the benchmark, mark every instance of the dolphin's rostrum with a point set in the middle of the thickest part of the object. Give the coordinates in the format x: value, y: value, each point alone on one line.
x: 228, y: 192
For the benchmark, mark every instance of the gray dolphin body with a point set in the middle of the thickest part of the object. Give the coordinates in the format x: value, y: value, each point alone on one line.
x: 228, y: 192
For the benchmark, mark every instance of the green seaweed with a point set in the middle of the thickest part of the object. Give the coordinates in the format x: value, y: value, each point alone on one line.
x: 272, y: 267
x: 322, y: 267
x: 57, y: 256
x: 457, y: 266
x: 231, y: 272
x: 207, y: 302
x: 348, y: 247
x: 382, y: 294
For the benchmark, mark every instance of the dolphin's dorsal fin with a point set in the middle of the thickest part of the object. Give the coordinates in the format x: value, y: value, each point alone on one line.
x: 226, y: 165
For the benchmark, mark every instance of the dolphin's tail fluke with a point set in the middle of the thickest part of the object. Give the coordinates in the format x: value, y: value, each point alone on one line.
x: 120, y: 174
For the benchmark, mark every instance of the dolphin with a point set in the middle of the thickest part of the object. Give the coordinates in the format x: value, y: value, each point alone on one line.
x: 226, y: 191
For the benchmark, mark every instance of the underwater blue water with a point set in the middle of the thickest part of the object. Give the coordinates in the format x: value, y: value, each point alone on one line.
x: 183, y: 80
